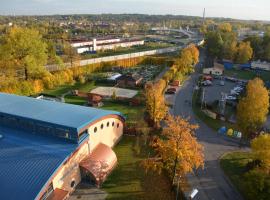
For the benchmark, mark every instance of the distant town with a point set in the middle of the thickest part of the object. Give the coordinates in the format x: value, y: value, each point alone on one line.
x: 134, y: 106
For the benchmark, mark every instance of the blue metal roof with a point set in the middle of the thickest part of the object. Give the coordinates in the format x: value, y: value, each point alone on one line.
x: 27, y: 162
x: 62, y: 114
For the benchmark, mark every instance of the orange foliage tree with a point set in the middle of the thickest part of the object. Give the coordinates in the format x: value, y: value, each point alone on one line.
x: 176, y: 150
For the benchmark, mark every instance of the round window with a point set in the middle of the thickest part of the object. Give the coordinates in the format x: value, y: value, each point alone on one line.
x: 95, y: 129
x: 108, y: 124
x: 117, y: 125
x: 101, y: 126
x: 72, y: 184
x: 113, y: 124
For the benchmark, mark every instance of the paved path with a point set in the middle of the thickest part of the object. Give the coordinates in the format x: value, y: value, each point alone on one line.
x: 88, y: 192
x: 211, y: 182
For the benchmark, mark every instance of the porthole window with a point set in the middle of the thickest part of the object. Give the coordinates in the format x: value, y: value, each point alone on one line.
x: 72, y: 184
x: 108, y: 124
x: 117, y: 125
x: 95, y: 129
x: 101, y: 126
x: 113, y: 124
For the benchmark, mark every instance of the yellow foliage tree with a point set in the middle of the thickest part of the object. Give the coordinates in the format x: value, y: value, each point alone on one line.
x: 252, y: 110
x: 244, y: 52
x: 155, y: 102
x: 261, y: 150
x: 225, y: 27
x: 177, y: 150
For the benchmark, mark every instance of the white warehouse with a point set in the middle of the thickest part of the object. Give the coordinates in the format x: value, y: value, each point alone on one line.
x: 104, y: 44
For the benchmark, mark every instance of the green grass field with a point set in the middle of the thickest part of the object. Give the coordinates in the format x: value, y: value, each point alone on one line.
x: 129, y: 181
x: 248, y: 74
x: 58, y: 91
x: 233, y: 165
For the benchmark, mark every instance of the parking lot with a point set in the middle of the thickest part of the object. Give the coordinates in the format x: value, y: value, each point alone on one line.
x: 214, y: 92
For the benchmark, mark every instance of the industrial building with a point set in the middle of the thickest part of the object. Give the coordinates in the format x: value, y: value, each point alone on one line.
x: 47, y: 148
x: 84, y: 46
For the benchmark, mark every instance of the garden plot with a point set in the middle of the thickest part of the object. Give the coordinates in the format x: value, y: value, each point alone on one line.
x: 119, y: 92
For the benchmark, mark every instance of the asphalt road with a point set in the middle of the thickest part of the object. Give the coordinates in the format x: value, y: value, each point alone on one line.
x: 210, y: 181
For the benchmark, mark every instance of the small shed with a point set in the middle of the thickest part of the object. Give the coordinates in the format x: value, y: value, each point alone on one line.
x: 218, y: 70
x: 94, y: 100
x: 129, y: 80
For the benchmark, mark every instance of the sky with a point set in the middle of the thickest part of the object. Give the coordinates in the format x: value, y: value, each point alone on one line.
x: 239, y: 9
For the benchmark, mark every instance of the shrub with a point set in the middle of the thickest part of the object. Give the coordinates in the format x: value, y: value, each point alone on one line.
x: 257, y: 185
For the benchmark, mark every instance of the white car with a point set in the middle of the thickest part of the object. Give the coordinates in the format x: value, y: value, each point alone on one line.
x: 233, y: 92
x: 230, y: 98
x: 207, y: 83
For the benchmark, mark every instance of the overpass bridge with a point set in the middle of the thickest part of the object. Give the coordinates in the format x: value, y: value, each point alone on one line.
x: 186, y: 31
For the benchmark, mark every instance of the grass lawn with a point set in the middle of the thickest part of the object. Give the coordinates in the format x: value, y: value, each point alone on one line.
x: 86, y: 87
x: 133, y: 113
x: 75, y: 100
x: 248, y: 74
x: 129, y: 181
x: 233, y: 165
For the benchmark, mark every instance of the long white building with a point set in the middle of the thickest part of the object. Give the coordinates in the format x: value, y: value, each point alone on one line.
x: 104, y: 44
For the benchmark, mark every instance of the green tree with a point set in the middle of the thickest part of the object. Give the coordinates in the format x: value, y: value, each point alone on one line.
x: 214, y: 43
x: 261, y: 150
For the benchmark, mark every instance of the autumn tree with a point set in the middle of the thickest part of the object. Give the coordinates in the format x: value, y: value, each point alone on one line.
x: 187, y: 59
x: 24, y: 50
x: 244, y: 52
x: 252, y: 110
x: 195, y: 54
x: 155, y: 101
x: 177, y: 149
x: 225, y: 27
x: 261, y: 150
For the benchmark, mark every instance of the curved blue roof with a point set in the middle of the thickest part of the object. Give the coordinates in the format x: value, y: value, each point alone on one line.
x: 27, y: 162
x: 72, y: 116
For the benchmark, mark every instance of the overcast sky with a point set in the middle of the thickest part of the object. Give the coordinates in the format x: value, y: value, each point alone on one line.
x: 241, y: 9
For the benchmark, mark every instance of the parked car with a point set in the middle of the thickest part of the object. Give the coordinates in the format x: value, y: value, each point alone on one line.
x: 233, y: 92
x: 209, y: 78
x: 231, y: 98
x: 170, y: 92
x: 171, y: 89
x: 207, y: 83
x: 175, y: 83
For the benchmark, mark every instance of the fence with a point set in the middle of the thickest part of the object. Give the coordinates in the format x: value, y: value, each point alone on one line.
x: 53, y: 68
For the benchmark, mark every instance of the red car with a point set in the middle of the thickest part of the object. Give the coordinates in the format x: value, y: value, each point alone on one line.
x: 207, y: 78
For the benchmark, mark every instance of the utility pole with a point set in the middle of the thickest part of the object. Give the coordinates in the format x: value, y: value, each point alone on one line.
x: 203, y: 98
x: 203, y: 16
